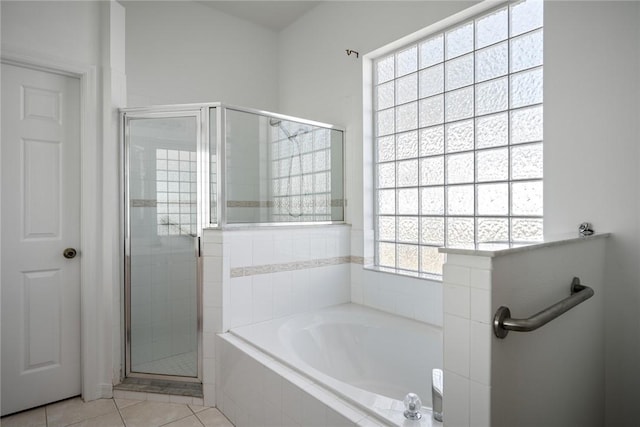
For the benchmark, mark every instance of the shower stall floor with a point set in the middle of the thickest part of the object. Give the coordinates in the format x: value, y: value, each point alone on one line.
x: 184, y: 365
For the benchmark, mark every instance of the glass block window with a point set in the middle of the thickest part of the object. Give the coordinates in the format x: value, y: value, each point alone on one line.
x: 176, y: 192
x: 458, y: 139
x: 301, y: 172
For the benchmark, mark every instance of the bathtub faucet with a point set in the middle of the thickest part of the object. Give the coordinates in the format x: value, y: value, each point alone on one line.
x: 412, y: 405
x: 436, y: 393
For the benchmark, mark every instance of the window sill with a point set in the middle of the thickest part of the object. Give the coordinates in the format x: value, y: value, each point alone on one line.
x: 406, y: 273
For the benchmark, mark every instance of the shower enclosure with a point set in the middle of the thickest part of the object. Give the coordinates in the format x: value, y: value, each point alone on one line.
x: 189, y: 167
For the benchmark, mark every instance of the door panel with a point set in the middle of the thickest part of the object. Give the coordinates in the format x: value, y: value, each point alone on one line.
x: 40, y: 218
x: 41, y: 310
x: 163, y: 227
x: 41, y: 165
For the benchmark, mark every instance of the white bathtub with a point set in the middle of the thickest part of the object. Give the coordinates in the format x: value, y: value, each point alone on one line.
x: 369, y: 358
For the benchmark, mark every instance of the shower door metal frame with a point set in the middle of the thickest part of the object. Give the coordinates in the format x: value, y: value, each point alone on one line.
x: 200, y: 113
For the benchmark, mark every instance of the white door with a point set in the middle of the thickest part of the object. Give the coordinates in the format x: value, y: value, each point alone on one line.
x: 40, y: 218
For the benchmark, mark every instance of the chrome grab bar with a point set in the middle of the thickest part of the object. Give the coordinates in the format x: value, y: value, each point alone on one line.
x: 503, y: 323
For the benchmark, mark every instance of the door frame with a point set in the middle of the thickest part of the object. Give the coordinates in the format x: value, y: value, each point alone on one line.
x: 92, y: 336
x: 200, y: 113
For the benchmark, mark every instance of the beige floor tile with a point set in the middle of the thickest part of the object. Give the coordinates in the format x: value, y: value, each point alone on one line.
x: 123, y: 403
x: 191, y: 421
x: 197, y: 408
x: 153, y: 414
x: 75, y: 410
x: 33, y: 418
x: 131, y: 395
x: 111, y: 419
x: 213, y: 418
x: 158, y: 397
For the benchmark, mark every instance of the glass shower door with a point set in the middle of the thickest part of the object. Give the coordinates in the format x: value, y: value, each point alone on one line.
x: 163, y: 228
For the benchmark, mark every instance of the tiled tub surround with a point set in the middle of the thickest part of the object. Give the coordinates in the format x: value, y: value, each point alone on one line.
x: 278, y: 271
x: 288, y: 266
x: 553, y: 376
x: 350, y: 351
x: 265, y: 273
x: 406, y: 296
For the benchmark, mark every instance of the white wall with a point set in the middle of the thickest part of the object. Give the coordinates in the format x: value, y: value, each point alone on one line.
x: 65, y: 29
x: 183, y: 52
x: 114, y: 96
x: 0, y: 214
x: 591, y: 115
x: 592, y: 162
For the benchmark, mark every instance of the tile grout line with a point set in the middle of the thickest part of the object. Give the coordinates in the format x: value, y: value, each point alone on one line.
x: 195, y: 414
x: 120, y: 413
x: 199, y: 420
x: 179, y: 419
x: 192, y: 412
x: 173, y: 421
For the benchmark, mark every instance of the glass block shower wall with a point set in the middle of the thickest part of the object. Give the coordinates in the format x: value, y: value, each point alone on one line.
x: 300, y: 173
x: 282, y: 170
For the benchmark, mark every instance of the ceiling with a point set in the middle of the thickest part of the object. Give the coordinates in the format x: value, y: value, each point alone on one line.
x: 275, y: 15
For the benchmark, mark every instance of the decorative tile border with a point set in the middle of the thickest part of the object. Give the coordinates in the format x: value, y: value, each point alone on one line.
x: 249, y: 204
x: 357, y: 259
x: 143, y: 203
x: 334, y: 203
x: 291, y: 266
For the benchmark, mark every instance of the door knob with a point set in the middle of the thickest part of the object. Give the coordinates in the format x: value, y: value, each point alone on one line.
x: 69, y: 253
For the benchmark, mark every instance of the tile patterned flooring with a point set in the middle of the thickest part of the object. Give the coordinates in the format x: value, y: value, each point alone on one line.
x: 117, y: 413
